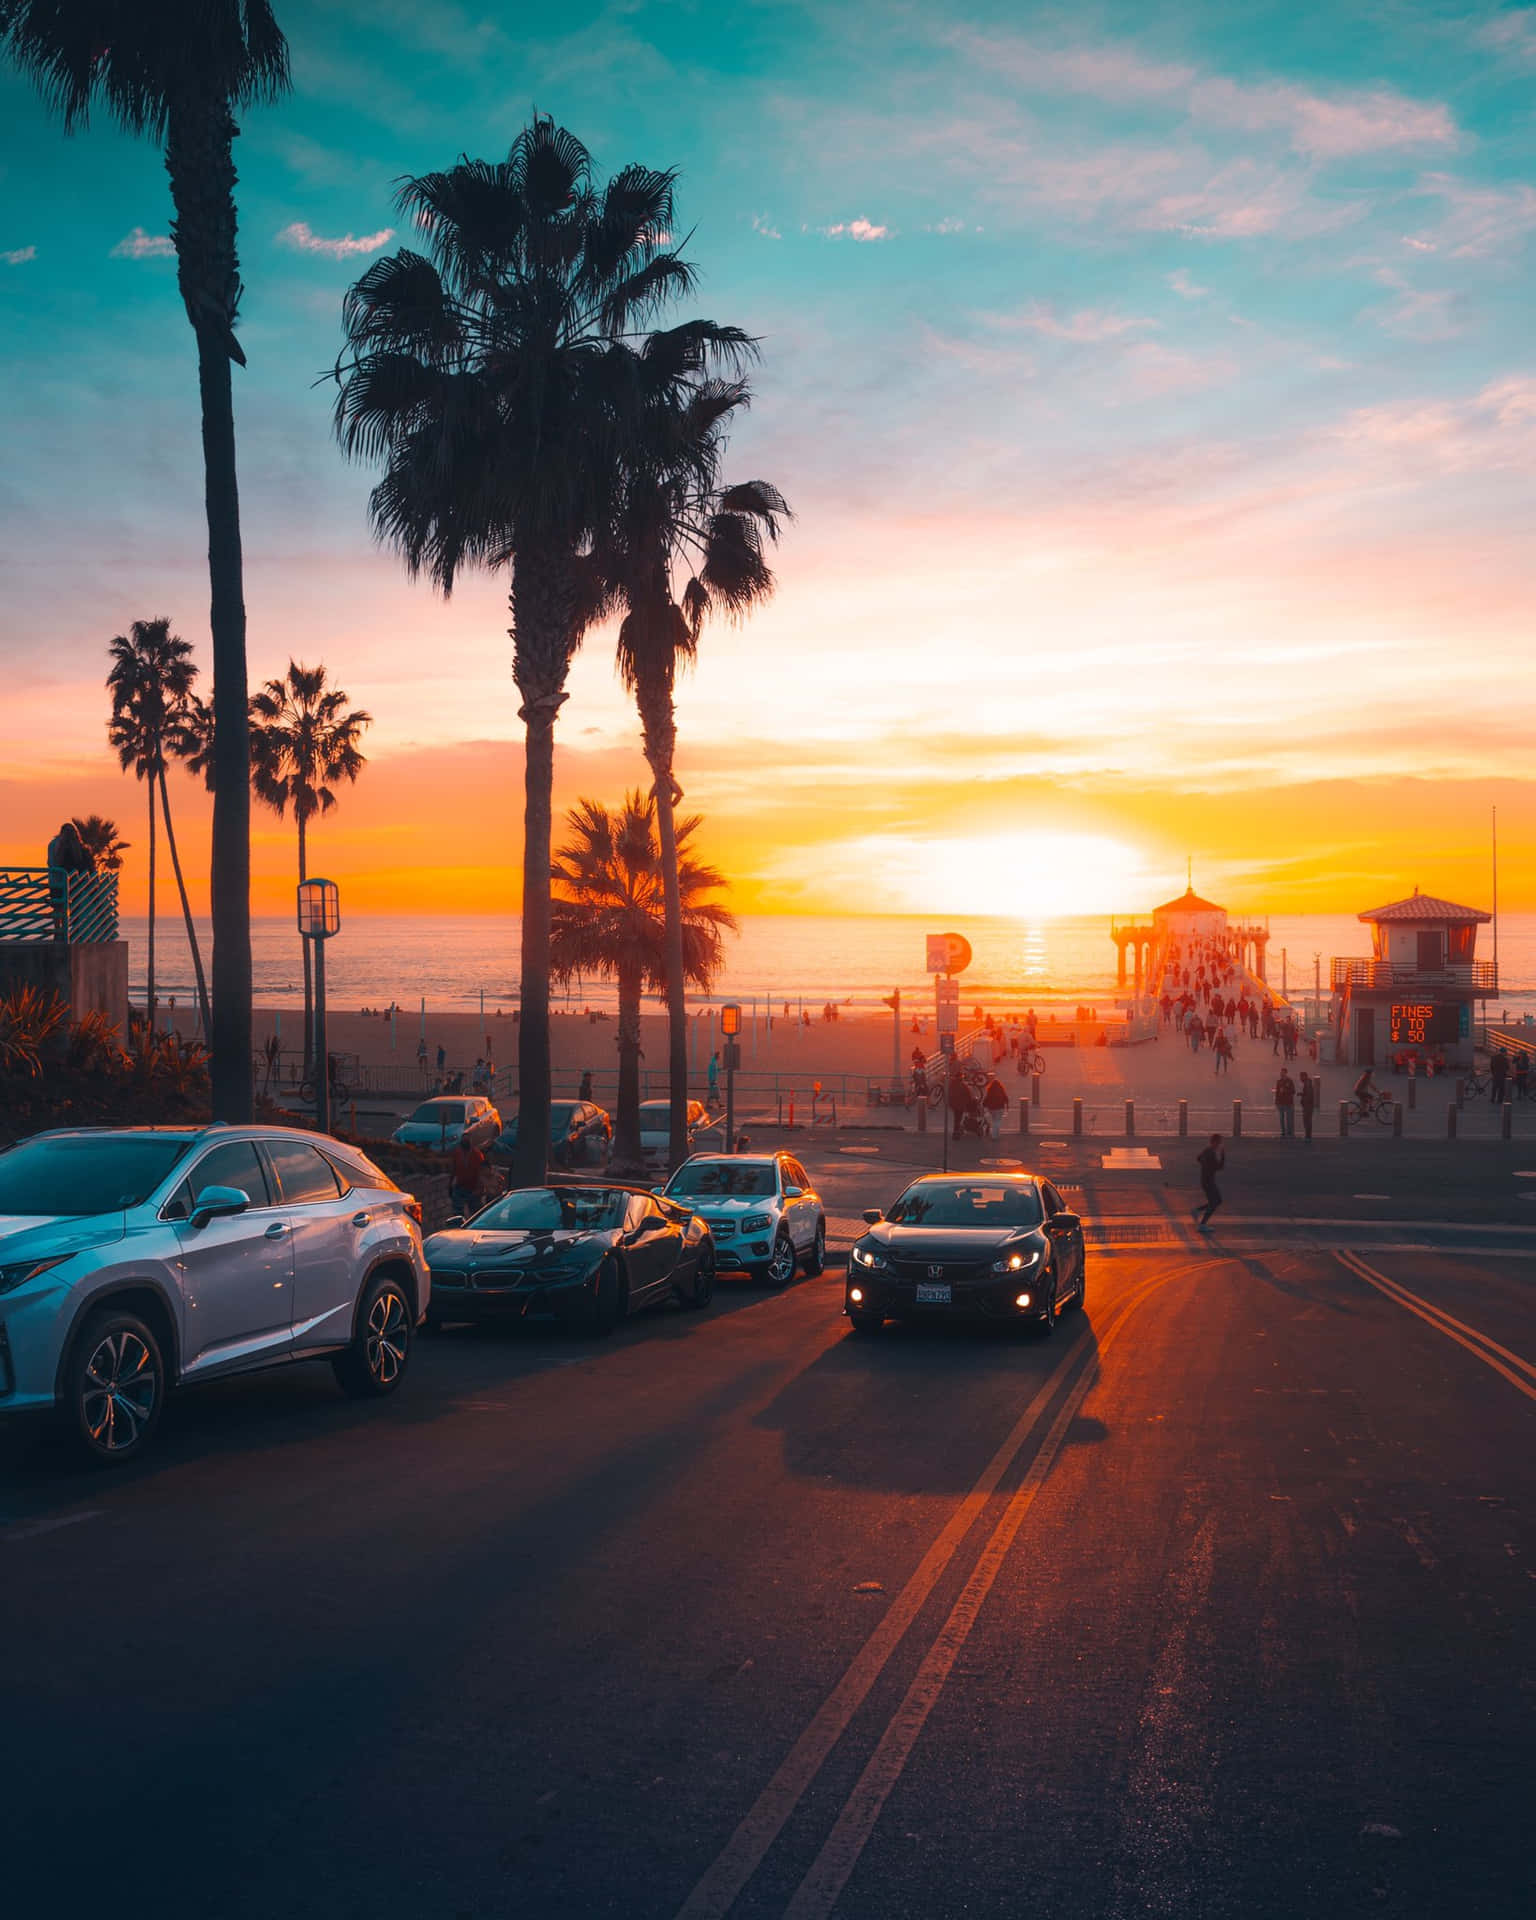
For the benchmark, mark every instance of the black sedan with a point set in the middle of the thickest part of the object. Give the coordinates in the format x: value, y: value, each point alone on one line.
x: 1001, y: 1246
x: 586, y: 1256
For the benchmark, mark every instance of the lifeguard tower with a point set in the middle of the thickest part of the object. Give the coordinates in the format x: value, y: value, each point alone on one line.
x: 1415, y: 993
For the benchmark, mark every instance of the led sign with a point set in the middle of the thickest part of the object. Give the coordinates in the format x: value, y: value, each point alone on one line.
x: 1417, y: 1023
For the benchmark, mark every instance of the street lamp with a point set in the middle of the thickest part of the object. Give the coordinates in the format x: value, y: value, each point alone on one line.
x: 319, y: 919
x: 730, y: 1026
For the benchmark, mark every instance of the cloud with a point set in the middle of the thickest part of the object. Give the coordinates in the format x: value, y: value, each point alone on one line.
x: 1185, y: 287
x: 1416, y: 314
x: 140, y: 245
x: 1512, y: 35
x: 763, y: 225
x: 952, y: 224
x: 299, y: 234
x: 1087, y: 326
x: 860, y: 229
x: 1477, y: 222
x: 19, y: 256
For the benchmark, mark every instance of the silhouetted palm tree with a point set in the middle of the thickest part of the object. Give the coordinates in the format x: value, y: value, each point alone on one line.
x: 102, y: 842
x: 302, y: 739
x: 486, y: 381
x: 682, y: 548
x: 177, y: 70
x: 608, y: 918
x: 151, y: 683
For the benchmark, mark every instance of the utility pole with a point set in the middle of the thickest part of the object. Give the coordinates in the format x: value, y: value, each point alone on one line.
x: 730, y: 1028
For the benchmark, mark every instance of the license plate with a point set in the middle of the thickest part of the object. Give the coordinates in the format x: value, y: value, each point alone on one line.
x: 932, y: 1294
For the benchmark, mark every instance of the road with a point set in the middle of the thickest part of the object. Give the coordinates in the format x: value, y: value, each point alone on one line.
x: 1218, y: 1602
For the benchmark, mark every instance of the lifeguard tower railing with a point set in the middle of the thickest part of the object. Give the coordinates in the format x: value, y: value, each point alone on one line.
x: 45, y: 903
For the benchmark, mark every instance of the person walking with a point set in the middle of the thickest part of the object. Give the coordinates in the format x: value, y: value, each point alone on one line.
x: 421, y: 1053
x: 714, y: 1079
x: 1523, y: 1077
x: 1210, y: 1161
x: 584, y: 1091
x: 1285, y: 1105
x: 464, y: 1180
x: 1311, y: 1098
x: 1498, y: 1068
x: 994, y: 1099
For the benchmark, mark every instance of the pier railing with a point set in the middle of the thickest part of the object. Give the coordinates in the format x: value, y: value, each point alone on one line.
x: 47, y: 904
x: 1482, y: 976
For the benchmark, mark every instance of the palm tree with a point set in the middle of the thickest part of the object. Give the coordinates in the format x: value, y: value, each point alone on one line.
x: 677, y: 518
x: 177, y: 70
x: 608, y: 918
x: 302, y: 738
x: 151, y: 683
x: 102, y: 842
x: 487, y: 381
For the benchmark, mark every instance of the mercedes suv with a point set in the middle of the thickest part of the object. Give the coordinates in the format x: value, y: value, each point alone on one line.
x: 765, y: 1216
x: 133, y: 1259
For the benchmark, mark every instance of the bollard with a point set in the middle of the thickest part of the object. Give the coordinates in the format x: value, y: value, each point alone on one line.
x: 922, y: 1114
x: 1024, y: 1114
x: 1077, y: 1116
x: 1183, y: 1119
x: 1461, y: 1093
x: 1397, y: 1119
x: 1237, y: 1119
x: 1413, y: 1095
x: 791, y: 1121
x: 1507, y: 1121
x: 1034, y: 1088
x: 1130, y: 1119
x: 1450, y: 1121
x: 1343, y: 1118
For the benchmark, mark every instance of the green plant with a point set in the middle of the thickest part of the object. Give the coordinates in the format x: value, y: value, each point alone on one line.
x: 93, y: 1047
x: 29, y: 1018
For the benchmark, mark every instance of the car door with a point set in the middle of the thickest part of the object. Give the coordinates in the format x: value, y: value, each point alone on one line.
x: 326, y: 1241
x: 237, y: 1270
x: 802, y: 1212
x: 649, y: 1248
x: 1067, y: 1242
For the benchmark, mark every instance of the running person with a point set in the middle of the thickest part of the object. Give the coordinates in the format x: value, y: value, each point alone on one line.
x: 1211, y: 1161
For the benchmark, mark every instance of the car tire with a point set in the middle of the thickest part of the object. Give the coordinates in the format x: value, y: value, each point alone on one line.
x: 375, y: 1363
x: 865, y: 1322
x: 816, y: 1259
x: 114, y: 1388
x: 605, y: 1308
x: 1080, y: 1291
x: 780, y: 1269
x: 1047, y: 1321
x: 703, y: 1290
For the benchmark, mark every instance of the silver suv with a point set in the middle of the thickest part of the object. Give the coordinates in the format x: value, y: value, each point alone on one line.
x: 135, y: 1258
x: 765, y: 1215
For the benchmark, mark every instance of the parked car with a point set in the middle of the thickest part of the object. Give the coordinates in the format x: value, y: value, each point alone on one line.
x: 584, y: 1255
x: 444, y: 1122
x: 765, y: 1216
x: 656, y: 1127
x: 136, y: 1259
x: 580, y: 1135
x: 994, y: 1246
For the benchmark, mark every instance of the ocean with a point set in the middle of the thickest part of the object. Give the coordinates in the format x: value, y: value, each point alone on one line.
x: 451, y: 960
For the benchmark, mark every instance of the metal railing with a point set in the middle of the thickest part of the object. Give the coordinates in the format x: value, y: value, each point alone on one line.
x: 47, y: 904
x: 1482, y: 976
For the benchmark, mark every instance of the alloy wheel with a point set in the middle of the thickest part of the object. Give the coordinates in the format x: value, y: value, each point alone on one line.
x: 781, y: 1268
x: 388, y: 1337
x: 119, y: 1391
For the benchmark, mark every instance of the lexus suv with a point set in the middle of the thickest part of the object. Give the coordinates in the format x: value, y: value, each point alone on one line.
x: 764, y: 1214
x: 133, y: 1259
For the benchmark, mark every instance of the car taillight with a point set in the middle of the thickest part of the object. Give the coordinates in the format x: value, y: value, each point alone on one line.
x: 412, y: 1206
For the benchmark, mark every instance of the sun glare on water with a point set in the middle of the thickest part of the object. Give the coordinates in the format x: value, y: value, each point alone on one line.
x: 1032, y: 875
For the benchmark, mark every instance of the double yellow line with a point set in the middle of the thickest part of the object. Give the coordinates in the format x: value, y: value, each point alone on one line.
x: 817, y: 1894
x: 1520, y: 1374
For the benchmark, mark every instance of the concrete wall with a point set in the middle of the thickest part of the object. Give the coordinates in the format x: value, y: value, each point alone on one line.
x: 91, y: 979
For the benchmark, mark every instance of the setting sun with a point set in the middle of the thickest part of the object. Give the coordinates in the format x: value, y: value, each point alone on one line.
x: 1035, y: 875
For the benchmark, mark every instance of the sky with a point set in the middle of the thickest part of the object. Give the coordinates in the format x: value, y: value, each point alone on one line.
x: 1154, y: 389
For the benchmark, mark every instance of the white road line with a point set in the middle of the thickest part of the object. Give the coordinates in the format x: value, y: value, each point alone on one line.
x: 30, y: 1529
x: 1481, y: 1345
x: 717, y: 1890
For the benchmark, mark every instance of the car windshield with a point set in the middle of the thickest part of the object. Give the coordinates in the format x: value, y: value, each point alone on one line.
x: 732, y: 1178
x: 438, y: 1113
x: 1002, y: 1203
x: 556, y: 1210
x: 85, y: 1173
x: 560, y: 1116
x: 655, y: 1113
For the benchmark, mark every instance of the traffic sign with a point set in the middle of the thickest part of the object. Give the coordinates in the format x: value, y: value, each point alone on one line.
x: 946, y: 998
x: 948, y: 953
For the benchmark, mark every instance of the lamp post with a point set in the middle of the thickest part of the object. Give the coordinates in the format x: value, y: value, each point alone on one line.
x: 319, y: 918
x: 730, y: 1027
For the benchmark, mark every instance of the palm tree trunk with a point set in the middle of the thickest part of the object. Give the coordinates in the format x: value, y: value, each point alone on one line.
x: 626, y: 1118
x: 659, y: 730
x: 186, y: 909
x: 309, y: 985
x: 149, y: 984
x: 199, y: 157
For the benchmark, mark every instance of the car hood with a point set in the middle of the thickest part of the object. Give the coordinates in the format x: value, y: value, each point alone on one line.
x: 25, y: 1236
x: 727, y: 1204
x: 467, y: 1246
x: 959, y: 1243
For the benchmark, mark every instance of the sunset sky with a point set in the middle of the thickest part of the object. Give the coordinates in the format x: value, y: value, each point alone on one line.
x: 1157, y: 402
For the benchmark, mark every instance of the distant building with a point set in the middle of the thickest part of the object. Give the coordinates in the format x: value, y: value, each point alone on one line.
x: 1190, y: 918
x: 1415, y: 993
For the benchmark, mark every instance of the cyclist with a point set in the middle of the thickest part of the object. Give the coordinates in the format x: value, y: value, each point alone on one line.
x: 1366, y: 1091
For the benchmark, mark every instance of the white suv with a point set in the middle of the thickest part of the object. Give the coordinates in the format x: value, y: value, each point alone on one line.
x: 765, y: 1215
x: 133, y: 1259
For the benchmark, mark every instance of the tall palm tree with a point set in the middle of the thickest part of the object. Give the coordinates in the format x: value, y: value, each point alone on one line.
x: 682, y: 547
x: 608, y: 917
x: 102, y: 841
x: 302, y: 739
x: 151, y: 683
x: 487, y: 381
x: 177, y: 70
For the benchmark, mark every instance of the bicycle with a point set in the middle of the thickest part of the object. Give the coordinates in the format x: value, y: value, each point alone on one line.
x: 1378, y: 1106
x: 1031, y: 1062
x: 1475, y: 1085
x: 341, y: 1093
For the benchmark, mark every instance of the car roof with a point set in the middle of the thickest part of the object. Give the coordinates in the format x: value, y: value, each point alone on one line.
x: 982, y: 1176
x: 735, y: 1159
x: 212, y: 1131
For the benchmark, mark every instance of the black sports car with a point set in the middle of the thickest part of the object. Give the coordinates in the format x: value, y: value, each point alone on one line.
x: 585, y: 1255
x: 998, y: 1246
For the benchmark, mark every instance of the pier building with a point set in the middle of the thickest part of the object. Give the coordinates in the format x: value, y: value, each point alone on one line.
x: 1187, y: 921
x: 1415, y: 993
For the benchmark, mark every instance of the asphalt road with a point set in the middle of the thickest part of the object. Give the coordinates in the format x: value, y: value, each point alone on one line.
x: 1218, y: 1602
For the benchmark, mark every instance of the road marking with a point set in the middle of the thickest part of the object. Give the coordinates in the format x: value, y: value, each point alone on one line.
x: 717, y: 1890
x: 1482, y: 1345
x: 30, y: 1529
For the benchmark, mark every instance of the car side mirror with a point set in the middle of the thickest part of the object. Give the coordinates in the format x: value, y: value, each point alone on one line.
x: 218, y: 1203
x: 793, y: 1193
x: 1064, y: 1222
x: 453, y: 1220
x: 872, y: 1216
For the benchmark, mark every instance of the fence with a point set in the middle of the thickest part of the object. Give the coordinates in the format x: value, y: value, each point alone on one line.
x: 47, y: 904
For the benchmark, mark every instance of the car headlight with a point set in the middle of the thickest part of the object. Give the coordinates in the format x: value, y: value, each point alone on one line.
x: 1015, y: 1262
x: 875, y: 1261
x: 757, y: 1223
x: 21, y: 1271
